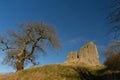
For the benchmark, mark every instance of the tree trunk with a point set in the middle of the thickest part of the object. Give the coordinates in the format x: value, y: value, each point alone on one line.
x: 19, y: 65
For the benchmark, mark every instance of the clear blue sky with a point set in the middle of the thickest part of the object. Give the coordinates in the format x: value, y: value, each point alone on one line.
x: 77, y: 22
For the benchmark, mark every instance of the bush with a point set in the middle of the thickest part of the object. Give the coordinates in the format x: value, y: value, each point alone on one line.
x: 113, y: 61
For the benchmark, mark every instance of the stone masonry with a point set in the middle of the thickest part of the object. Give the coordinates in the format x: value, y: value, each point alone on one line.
x: 87, y: 54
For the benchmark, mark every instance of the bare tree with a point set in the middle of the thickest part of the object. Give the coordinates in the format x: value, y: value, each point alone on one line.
x: 114, y: 18
x: 113, y: 51
x: 27, y: 42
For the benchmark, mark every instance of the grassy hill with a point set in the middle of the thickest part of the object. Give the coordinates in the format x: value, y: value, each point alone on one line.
x: 60, y: 72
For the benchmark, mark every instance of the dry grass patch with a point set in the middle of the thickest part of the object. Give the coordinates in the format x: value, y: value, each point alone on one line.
x: 47, y: 72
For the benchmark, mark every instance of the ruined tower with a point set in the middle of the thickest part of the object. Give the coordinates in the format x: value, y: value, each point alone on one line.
x: 87, y: 54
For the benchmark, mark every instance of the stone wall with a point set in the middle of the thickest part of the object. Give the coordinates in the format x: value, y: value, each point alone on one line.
x: 87, y: 54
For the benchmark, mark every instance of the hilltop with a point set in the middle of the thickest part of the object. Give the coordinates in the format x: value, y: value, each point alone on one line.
x: 63, y: 72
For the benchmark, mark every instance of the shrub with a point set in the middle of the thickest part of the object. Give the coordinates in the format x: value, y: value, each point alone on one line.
x: 113, y: 61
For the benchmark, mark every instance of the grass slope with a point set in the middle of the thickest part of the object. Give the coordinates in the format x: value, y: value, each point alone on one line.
x: 47, y: 72
x: 59, y: 72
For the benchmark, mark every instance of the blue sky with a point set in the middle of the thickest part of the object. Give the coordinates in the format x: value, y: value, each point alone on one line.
x: 77, y: 22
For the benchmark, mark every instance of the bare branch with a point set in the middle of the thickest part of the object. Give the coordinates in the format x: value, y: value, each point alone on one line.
x: 23, y: 44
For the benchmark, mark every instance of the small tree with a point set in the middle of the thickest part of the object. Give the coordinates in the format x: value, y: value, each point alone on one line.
x: 113, y: 61
x: 113, y: 56
x: 26, y: 43
x: 113, y: 51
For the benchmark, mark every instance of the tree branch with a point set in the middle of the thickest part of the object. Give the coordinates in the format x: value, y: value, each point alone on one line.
x: 6, y: 46
x: 33, y: 47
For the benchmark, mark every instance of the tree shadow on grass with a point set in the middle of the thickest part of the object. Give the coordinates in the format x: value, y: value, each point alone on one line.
x: 84, y: 74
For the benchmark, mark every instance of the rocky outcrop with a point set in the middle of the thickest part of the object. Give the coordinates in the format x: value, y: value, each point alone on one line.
x: 87, y: 54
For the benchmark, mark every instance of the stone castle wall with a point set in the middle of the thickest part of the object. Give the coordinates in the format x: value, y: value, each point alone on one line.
x: 87, y: 54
